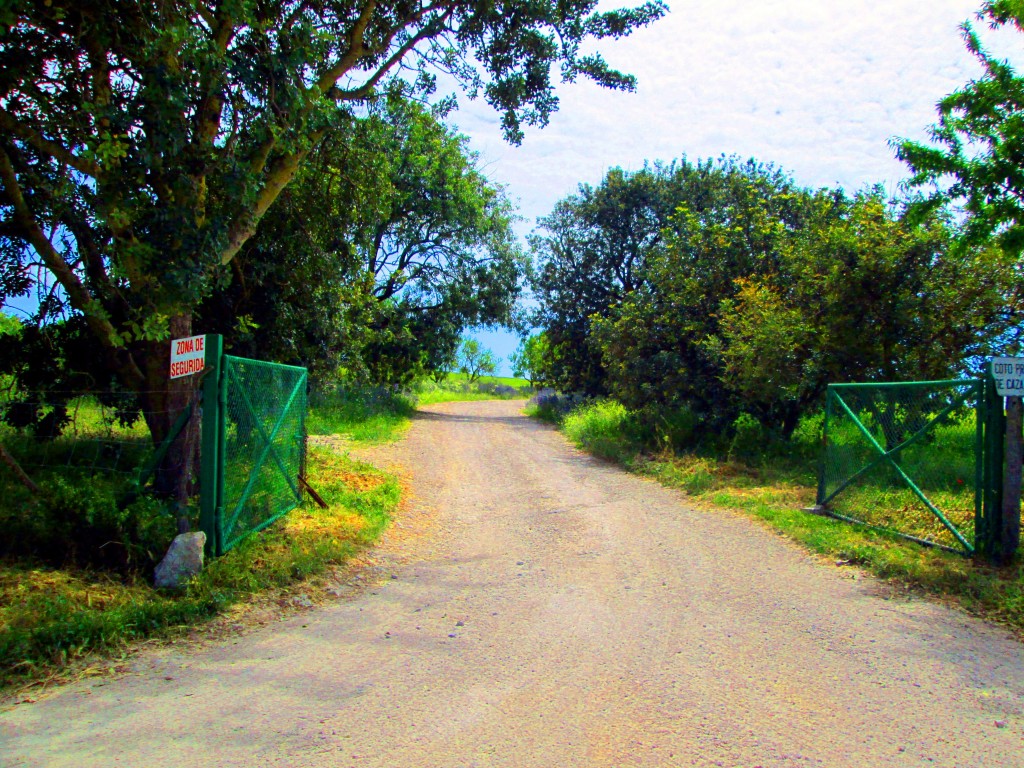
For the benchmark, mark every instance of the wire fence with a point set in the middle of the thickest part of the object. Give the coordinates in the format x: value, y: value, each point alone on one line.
x: 905, y: 457
x: 98, y: 435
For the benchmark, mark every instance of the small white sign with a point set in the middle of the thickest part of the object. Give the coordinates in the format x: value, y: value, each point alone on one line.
x: 1009, y: 375
x: 188, y: 356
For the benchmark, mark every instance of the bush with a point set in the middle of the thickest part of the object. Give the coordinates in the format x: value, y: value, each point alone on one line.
x: 748, y: 436
x: 82, y: 521
x: 667, y: 429
x: 605, y: 428
x: 364, y: 413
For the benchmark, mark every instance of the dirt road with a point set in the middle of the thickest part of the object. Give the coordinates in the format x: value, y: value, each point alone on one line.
x: 541, y: 608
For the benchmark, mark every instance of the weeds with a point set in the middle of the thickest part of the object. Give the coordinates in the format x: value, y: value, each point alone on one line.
x: 456, y: 387
x: 364, y: 414
x: 62, y: 598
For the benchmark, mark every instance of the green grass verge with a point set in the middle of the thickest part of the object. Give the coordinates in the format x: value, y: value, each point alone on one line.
x: 775, y: 491
x: 363, y: 415
x: 456, y: 387
x: 51, y: 617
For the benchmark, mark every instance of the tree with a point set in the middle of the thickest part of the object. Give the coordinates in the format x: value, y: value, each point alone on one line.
x: 529, y: 360
x: 142, y: 143
x: 762, y: 300
x: 381, y: 253
x: 977, y: 154
x: 475, y: 360
x: 732, y: 224
x: 591, y: 252
x: 870, y: 294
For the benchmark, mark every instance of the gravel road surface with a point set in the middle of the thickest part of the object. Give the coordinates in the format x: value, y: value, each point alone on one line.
x: 536, y: 607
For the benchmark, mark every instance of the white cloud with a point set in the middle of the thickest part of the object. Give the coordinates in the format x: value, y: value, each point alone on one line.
x: 816, y: 87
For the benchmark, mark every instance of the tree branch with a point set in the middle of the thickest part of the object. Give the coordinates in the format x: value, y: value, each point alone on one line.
x: 10, y: 124
x: 77, y: 293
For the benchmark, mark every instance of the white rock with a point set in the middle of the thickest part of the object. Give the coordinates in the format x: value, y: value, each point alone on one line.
x: 184, y: 559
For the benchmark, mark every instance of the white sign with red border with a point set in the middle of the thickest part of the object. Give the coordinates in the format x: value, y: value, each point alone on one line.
x: 188, y: 356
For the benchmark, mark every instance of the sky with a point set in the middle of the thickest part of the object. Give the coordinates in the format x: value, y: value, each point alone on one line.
x: 817, y: 87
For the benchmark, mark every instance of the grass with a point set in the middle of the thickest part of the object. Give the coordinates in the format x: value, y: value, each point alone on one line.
x: 60, y: 609
x: 775, y: 489
x: 364, y: 414
x: 456, y: 387
x: 54, y: 619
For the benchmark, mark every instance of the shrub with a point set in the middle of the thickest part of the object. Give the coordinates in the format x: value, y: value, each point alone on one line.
x: 748, y: 436
x: 82, y: 521
x: 605, y: 428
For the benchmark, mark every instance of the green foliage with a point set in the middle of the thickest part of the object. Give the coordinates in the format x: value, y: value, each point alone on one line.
x: 363, y: 414
x: 529, y: 359
x: 656, y: 343
x: 760, y: 299
x: 591, y: 252
x: 605, y: 428
x: 140, y: 146
x: 49, y: 617
x: 475, y: 360
x: 976, y: 152
x: 81, y: 521
x: 9, y: 325
x: 50, y: 366
x: 457, y: 387
x: 385, y: 248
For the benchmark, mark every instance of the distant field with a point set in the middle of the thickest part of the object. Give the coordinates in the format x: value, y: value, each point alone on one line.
x: 509, y: 381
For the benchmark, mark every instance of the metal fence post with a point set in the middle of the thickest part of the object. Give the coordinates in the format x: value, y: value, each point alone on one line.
x: 995, y: 430
x: 980, y: 421
x: 210, y: 469
x: 1008, y: 530
x: 824, y: 447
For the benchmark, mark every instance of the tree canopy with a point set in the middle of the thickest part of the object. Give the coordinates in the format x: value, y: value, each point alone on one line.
x: 475, y: 360
x: 143, y: 142
x: 385, y: 248
x: 759, y: 293
x: 590, y: 252
x: 976, y: 156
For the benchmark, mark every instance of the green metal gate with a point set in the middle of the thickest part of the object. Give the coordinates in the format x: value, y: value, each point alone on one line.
x: 253, y: 449
x: 909, y: 458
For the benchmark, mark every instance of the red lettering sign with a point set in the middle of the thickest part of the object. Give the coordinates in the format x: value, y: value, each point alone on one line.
x: 188, y: 356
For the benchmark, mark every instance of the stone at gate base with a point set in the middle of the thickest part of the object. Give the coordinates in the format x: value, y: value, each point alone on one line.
x: 184, y: 559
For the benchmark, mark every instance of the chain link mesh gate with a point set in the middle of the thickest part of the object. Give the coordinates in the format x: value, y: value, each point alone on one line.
x: 254, y: 447
x: 908, y: 458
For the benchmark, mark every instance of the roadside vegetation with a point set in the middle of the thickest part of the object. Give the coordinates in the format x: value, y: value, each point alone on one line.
x: 68, y: 602
x: 775, y: 481
x: 76, y: 566
x: 695, y: 311
x: 694, y: 314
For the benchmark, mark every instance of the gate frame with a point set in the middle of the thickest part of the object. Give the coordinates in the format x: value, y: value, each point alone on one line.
x: 213, y: 448
x: 987, y: 449
x: 990, y: 420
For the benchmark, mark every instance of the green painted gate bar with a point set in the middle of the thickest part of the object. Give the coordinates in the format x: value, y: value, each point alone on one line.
x: 211, y: 488
x: 923, y: 407
x: 282, y: 392
x: 883, y: 405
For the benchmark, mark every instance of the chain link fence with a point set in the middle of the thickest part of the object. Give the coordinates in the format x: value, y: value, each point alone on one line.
x: 905, y: 457
x: 264, y: 440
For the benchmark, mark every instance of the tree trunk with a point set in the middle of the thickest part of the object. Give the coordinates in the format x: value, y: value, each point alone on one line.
x: 163, y: 401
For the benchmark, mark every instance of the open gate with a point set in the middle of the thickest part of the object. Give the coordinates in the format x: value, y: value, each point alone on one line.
x: 909, y: 458
x: 254, y: 445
